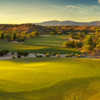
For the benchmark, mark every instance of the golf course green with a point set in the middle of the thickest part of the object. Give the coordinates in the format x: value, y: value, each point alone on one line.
x: 50, y: 79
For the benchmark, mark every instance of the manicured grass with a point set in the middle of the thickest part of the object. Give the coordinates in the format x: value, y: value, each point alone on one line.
x: 41, y: 44
x: 50, y: 79
x: 50, y: 40
x: 18, y: 46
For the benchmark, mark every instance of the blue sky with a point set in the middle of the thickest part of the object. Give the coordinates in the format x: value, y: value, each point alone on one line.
x: 33, y: 11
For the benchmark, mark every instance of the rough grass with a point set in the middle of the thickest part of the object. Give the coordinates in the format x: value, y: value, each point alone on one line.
x: 50, y: 79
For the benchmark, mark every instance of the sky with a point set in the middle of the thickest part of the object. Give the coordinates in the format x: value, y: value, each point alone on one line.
x: 35, y: 11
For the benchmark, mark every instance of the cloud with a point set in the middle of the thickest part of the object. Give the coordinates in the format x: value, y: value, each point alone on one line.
x: 72, y: 7
x: 99, y: 1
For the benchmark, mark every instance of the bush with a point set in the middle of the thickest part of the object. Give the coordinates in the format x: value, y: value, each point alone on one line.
x: 22, y: 53
x: 73, y: 44
x: 3, y: 52
x: 89, y: 44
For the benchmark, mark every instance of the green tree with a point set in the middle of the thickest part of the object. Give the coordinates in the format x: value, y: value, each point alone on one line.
x: 34, y: 34
x: 14, y: 37
x: 73, y: 44
x: 89, y: 43
x: 69, y: 44
x: 2, y: 36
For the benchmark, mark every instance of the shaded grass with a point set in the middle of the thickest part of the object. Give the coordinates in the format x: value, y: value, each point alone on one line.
x: 31, y: 46
x: 46, y: 79
x: 18, y: 46
x: 51, y: 41
x: 75, y: 89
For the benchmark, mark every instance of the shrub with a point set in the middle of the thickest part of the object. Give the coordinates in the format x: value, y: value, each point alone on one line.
x: 73, y: 44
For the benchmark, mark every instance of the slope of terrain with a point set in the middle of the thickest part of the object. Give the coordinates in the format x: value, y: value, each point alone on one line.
x: 46, y: 30
x: 46, y: 79
x: 69, y: 23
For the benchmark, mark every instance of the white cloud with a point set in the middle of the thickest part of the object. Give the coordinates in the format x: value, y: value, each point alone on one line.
x: 72, y: 7
x: 98, y: 1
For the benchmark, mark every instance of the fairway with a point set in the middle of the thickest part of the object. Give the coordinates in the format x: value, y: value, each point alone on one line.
x: 46, y: 79
x: 18, y: 46
x: 42, y: 44
x: 50, y: 50
x: 47, y: 40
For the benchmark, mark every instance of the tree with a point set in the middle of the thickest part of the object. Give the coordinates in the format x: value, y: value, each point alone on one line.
x: 8, y: 37
x: 14, y: 36
x: 69, y: 44
x: 97, y: 48
x: 34, y: 34
x: 2, y: 36
x: 89, y: 44
x: 73, y: 44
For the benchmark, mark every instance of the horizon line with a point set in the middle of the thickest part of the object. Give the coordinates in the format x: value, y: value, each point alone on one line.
x: 49, y: 21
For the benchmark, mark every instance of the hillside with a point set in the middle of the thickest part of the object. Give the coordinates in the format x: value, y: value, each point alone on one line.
x: 69, y: 23
x: 29, y: 28
x: 50, y: 79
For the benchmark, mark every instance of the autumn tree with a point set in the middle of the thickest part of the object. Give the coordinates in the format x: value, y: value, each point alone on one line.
x: 89, y: 44
x: 34, y: 34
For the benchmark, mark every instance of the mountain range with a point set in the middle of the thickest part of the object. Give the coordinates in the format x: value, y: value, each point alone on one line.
x: 68, y: 23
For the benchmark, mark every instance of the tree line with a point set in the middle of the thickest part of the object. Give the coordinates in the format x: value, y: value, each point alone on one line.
x: 15, y: 36
x: 86, y: 43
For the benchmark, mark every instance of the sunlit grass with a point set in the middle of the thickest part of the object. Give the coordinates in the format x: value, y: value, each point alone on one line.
x: 47, y: 79
x: 50, y: 41
x: 27, y: 47
x: 18, y: 46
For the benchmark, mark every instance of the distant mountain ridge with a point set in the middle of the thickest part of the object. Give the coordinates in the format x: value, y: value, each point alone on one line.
x: 68, y: 23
